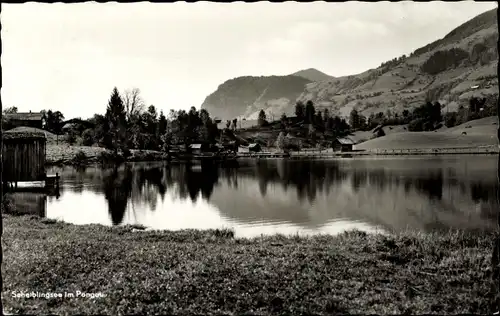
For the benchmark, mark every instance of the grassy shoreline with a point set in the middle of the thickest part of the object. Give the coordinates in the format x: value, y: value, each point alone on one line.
x: 211, y: 272
x: 58, y: 155
x: 67, y: 155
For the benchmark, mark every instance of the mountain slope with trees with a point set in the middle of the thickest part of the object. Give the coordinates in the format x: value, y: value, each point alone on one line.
x: 246, y: 96
x: 450, y: 71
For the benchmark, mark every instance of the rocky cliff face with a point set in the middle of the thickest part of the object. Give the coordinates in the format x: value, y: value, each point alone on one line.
x: 449, y: 70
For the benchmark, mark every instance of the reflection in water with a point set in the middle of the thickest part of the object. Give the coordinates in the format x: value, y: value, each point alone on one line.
x: 287, y: 196
x: 117, y: 189
x: 28, y: 203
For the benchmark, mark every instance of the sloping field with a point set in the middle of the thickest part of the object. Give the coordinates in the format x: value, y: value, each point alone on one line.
x: 481, y: 132
x: 429, y: 140
x: 486, y: 126
x: 362, y: 136
x: 57, y: 153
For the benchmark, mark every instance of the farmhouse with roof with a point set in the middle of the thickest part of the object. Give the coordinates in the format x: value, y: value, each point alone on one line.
x: 29, y: 119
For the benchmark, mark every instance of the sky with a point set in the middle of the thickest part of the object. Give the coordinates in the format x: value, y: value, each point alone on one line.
x: 69, y: 57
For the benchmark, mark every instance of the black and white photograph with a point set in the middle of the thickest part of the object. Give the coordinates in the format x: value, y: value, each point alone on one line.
x: 265, y: 158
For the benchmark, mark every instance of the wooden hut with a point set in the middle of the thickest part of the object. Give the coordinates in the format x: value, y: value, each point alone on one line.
x: 24, y: 156
x: 343, y: 144
x: 198, y: 149
x: 254, y: 147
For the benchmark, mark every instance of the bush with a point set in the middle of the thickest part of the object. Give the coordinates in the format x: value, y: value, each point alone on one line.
x: 108, y: 157
x: 450, y: 119
x: 416, y: 125
x: 292, y: 147
x: 80, y: 156
x: 428, y: 126
x: 71, y: 138
x: 8, y: 206
x: 88, y: 137
x: 126, y: 153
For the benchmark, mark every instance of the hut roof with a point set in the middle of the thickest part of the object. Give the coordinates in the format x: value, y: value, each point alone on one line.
x: 24, y: 116
x: 345, y: 141
x: 69, y: 125
x: 8, y: 135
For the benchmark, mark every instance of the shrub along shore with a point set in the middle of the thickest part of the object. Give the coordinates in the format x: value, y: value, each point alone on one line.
x: 212, y: 272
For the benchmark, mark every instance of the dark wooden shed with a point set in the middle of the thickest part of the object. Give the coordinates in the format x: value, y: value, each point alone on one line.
x: 343, y: 144
x: 24, y: 156
x: 254, y: 147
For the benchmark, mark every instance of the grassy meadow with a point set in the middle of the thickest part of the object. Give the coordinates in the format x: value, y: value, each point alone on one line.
x: 212, y: 272
x: 482, y: 132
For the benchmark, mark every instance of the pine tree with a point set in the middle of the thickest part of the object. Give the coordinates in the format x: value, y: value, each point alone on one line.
x: 310, y: 112
x: 116, y: 131
x: 300, y: 110
x: 354, y: 119
x: 262, y: 120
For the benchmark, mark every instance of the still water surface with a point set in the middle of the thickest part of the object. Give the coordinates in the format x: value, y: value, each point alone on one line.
x: 289, y: 197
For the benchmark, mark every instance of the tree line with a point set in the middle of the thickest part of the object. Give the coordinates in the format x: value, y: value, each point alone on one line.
x: 426, y: 117
x: 128, y: 124
x: 423, y: 118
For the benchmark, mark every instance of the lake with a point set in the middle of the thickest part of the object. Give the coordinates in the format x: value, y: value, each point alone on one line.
x: 283, y: 196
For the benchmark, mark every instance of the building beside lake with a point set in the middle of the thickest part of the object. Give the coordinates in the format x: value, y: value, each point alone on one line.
x: 254, y: 147
x: 28, y: 119
x: 199, y: 149
x: 251, y: 148
x: 343, y: 144
x: 68, y: 127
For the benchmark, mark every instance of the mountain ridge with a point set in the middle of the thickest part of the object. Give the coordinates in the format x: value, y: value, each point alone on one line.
x: 450, y: 70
